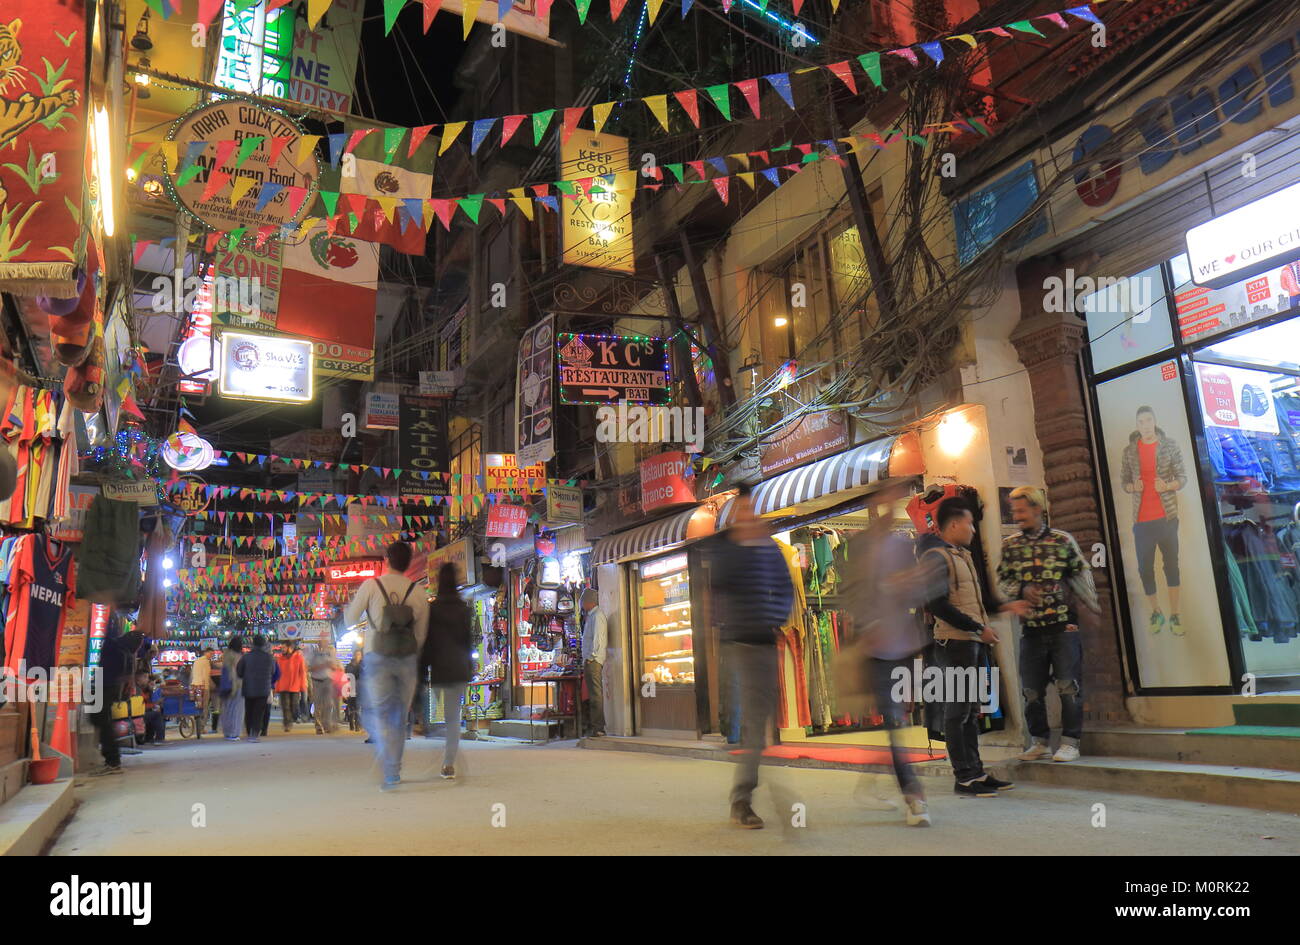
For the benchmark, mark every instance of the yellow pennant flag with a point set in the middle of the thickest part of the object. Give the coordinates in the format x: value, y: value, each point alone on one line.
x: 468, y: 14
x: 625, y: 180
x: 429, y: 213
x: 450, y: 133
x: 306, y: 145
x: 967, y: 38
x: 308, y: 224
x: 742, y: 157
x: 315, y: 10
x: 835, y: 6
x: 388, y: 205
x: 168, y: 150
x: 747, y: 177
x: 658, y: 104
x: 240, y: 187
x: 601, y: 114
x: 525, y: 205
x: 656, y: 4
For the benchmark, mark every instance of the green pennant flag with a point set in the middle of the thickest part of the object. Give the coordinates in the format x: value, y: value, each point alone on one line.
x: 236, y: 235
x: 540, y: 122
x: 721, y: 95
x: 978, y: 126
x: 678, y: 172
x: 783, y: 147
x: 331, y: 200
x: 247, y: 147
x: 583, y: 6
x: 391, y: 9
x: 392, y: 139
x: 188, y: 174
x: 353, y: 220
x: 566, y: 187
x: 870, y: 63
x: 919, y: 139
x: 471, y: 205
x: 809, y: 158
x: 1024, y: 26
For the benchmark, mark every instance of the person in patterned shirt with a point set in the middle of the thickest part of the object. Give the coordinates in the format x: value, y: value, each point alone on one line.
x: 1045, y: 567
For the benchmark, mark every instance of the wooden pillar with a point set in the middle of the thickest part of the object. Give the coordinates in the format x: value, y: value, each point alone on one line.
x: 1049, y: 345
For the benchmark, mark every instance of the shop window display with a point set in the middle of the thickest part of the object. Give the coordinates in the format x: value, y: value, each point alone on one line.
x: 667, y: 647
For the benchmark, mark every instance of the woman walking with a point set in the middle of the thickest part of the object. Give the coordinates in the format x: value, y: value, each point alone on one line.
x: 446, y: 656
x: 232, y: 695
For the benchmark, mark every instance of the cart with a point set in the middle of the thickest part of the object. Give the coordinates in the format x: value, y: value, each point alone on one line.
x: 187, y: 709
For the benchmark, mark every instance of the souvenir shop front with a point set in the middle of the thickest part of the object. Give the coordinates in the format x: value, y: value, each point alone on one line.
x: 1194, y: 367
x: 658, y: 587
x: 814, y: 510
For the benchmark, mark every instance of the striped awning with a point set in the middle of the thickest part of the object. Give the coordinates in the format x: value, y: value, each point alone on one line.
x: 849, y: 471
x: 662, y: 535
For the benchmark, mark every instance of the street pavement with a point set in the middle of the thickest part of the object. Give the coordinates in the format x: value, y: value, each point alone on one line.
x: 302, y: 793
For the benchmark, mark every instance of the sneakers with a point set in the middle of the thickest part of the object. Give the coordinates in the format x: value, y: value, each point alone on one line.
x: 231, y: 738
x: 918, y: 815
x: 252, y: 738
x: 1066, y: 753
x: 975, y: 789
x: 1157, y: 622
x: 103, y: 770
x: 390, y: 783
x: 742, y: 815
x: 1176, y: 626
x: 990, y: 781
x: 1037, y: 751
x: 448, y: 773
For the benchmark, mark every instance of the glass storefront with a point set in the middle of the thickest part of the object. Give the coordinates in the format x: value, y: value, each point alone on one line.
x: 667, y: 695
x: 1197, y: 397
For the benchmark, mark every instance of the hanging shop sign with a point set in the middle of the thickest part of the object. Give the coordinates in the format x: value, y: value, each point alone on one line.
x: 248, y: 280
x: 606, y: 369
x: 812, y: 436
x: 664, y: 482
x: 506, y: 521
x: 289, y: 535
x: 563, y: 504
x: 195, y: 353
x: 423, y: 443
x: 1246, y: 242
x: 526, y: 17
x: 1203, y: 312
x: 461, y: 554
x: 325, y: 58
x: 193, y: 497
x: 141, y: 492
x: 381, y: 412
x: 265, y: 367
x: 596, y: 230
x: 75, y: 639
x: 440, y: 383
x: 255, y: 51
x: 320, y: 632
x: 235, y: 120
x: 535, y: 395
x: 353, y: 572
x: 502, y: 472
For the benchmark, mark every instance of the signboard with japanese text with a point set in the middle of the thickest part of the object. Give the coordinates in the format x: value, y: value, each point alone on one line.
x: 506, y: 521
x: 607, y: 369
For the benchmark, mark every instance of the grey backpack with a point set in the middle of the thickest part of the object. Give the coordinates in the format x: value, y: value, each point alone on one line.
x: 395, y: 635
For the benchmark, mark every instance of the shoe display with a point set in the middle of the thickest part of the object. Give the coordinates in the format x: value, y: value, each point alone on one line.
x: 989, y: 781
x: 974, y: 789
x: 1036, y: 752
x: 742, y: 815
x: 1066, y: 753
x: 918, y: 814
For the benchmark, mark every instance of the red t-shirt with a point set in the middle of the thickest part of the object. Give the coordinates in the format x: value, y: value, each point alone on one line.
x: 1152, y: 507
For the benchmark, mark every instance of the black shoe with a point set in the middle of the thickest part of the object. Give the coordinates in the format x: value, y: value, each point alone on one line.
x: 974, y: 789
x: 742, y: 815
x: 989, y: 781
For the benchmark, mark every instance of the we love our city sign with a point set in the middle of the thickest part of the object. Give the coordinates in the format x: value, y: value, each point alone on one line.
x: 1251, y: 239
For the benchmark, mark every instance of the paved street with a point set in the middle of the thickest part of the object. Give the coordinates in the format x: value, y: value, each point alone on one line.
x: 308, y: 794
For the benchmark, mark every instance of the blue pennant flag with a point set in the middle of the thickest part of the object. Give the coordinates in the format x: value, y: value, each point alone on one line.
x: 720, y: 164
x: 934, y: 51
x: 551, y: 203
x: 336, y: 147
x: 481, y: 129
x: 686, y: 5
x: 770, y: 174
x: 267, y: 194
x: 781, y: 82
x: 503, y: 7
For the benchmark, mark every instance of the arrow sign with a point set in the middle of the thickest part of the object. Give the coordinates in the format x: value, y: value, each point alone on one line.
x: 608, y: 369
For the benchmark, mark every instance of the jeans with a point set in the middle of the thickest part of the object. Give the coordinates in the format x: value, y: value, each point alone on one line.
x: 232, y: 715
x: 255, y: 709
x: 387, y: 689
x: 155, y: 726
x: 1052, y: 653
x: 595, y: 673
x: 961, y: 733
x: 288, y: 709
x: 324, y: 704
x: 754, y: 676
x: 108, y: 746
x: 1159, y: 533
x: 453, y: 695
x: 882, y: 684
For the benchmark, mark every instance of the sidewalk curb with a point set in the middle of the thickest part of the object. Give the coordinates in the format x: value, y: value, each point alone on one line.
x: 33, y: 817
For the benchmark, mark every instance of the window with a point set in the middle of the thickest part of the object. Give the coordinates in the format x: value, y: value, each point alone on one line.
x: 988, y: 213
x: 466, y: 449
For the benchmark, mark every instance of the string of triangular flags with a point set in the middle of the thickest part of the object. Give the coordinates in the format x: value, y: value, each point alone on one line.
x: 421, y: 210
x: 343, y: 500
x: 260, y: 459
x: 251, y: 570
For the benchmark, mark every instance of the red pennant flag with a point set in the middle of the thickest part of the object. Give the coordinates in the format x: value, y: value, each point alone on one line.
x: 216, y: 180
x: 509, y: 125
x: 418, y: 134
x: 690, y: 101
x: 615, y: 8
x: 430, y: 11
x: 761, y: 155
x: 499, y: 203
x: 845, y: 73
x: 723, y: 186
x: 355, y: 140
x: 571, y: 118
x: 356, y: 203
x: 798, y: 5
x: 444, y: 208
x: 749, y: 89
x: 698, y: 168
x: 277, y: 145
x: 296, y: 196
x: 263, y: 234
x: 210, y: 244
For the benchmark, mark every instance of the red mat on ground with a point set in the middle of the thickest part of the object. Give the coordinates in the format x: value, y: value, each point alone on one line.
x: 848, y: 754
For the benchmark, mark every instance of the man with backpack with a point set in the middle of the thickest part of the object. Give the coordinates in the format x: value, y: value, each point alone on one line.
x: 397, y: 614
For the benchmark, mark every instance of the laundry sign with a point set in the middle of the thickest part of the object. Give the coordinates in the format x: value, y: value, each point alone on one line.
x: 1249, y: 240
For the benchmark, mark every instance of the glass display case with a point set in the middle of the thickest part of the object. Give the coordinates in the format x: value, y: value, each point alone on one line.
x: 667, y: 651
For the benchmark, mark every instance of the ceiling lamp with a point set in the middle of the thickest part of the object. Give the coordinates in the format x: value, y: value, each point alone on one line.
x: 141, y: 40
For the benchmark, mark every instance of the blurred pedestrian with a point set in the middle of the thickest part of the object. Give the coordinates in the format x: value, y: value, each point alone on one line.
x: 324, y: 698
x: 116, y: 660
x: 397, y: 613
x: 293, y: 680
x: 446, y: 658
x: 595, y: 640
x: 232, y: 690
x: 201, y: 687
x: 753, y: 595
x: 258, y: 672
x: 353, y: 672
